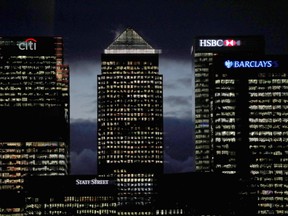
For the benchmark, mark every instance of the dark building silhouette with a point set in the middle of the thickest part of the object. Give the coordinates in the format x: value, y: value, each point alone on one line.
x: 205, y: 48
x: 198, y: 194
x: 240, y: 114
x: 34, y: 110
x: 130, y: 120
x: 70, y: 195
x: 249, y: 104
x: 175, y: 194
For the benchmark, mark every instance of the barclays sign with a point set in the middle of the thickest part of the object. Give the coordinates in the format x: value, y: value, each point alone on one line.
x: 250, y: 64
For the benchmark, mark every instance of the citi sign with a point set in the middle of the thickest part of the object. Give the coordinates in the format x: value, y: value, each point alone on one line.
x: 250, y: 64
x: 219, y: 43
x: 28, y: 44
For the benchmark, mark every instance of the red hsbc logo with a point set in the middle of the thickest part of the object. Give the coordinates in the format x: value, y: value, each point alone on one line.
x: 28, y: 44
x: 232, y: 43
x: 219, y: 43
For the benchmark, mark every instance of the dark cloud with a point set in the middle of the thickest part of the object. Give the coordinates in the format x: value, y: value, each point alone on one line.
x: 178, y: 106
x: 185, y: 82
x: 84, y: 162
x: 170, y: 86
x: 179, y: 138
x: 85, y: 67
x: 179, y: 145
x: 181, y: 113
x: 83, y: 148
x: 178, y: 84
x: 172, y: 165
x: 178, y: 100
x: 83, y: 135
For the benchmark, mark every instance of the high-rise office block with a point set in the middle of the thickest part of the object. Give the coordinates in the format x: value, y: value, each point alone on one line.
x: 130, y: 119
x: 249, y: 130
x: 204, y: 51
x: 34, y: 109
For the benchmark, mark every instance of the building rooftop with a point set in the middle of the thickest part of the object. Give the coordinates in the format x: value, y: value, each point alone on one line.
x: 130, y: 42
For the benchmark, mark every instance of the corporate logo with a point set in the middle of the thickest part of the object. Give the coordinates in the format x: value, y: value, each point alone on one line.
x: 92, y: 182
x: 219, y: 43
x: 28, y: 44
x: 251, y: 64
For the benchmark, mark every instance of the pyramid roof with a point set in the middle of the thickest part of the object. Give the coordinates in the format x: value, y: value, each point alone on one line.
x: 130, y: 42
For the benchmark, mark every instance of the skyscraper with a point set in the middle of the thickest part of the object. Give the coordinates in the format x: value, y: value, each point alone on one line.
x: 34, y: 109
x: 130, y: 119
x: 205, y: 48
x: 249, y: 115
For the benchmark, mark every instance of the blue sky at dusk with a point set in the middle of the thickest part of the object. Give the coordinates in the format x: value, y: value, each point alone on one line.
x: 89, y: 26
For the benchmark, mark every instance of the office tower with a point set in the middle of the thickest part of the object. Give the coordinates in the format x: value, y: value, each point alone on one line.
x: 34, y: 109
x: 204, y: 50
x: 249, y: 130
x: 130, y: 119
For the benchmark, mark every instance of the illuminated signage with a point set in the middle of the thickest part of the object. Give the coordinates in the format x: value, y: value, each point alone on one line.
x: 219, y: 43
x: 92, y: 182
x: 28, y: 44
x: 250, y: 64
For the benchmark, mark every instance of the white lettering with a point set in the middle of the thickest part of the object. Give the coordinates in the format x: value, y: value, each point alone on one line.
x: 211, y: 43
x: 82, y: 182
x: 269, y: 64
x: 96, y: 181
x: 236, y: 64
x: 28, y: 44
x: 202, y: 43
x: 250, y: 64
x: 218, y: 43
x: 21, y: 46
x: 92, y: 182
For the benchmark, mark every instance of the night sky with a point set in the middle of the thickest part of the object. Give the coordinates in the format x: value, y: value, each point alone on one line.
x: 90, y: 26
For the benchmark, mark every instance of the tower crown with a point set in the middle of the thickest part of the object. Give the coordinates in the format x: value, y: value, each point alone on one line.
x: 130, y: 42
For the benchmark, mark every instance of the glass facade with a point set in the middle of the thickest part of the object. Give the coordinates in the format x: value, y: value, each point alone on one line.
x: 130, y: 111
x: 18, y: 159
x: 249, y: 131
x: 33, y: 78
x: 205, y: 48
x: 203, y: 146
x: 34, y: 109
x: 130, y: 120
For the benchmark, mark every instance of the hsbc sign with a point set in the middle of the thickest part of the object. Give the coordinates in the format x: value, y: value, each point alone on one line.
x: 219, y: 43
